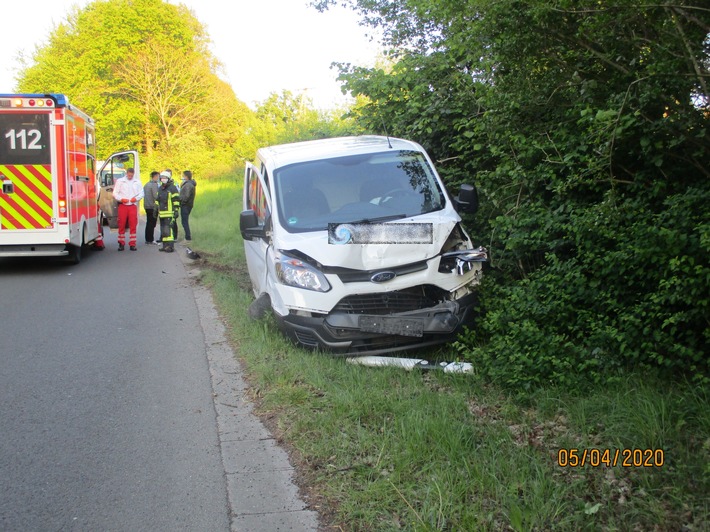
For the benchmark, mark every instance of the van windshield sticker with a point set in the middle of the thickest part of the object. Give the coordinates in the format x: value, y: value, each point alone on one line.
x: 400, y: 233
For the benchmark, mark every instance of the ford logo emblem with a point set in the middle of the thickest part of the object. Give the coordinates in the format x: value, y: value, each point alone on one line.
x: 381, y: 277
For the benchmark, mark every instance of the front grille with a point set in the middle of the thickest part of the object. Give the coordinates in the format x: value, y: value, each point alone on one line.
x: 362, y: 276
x: 383, y: 303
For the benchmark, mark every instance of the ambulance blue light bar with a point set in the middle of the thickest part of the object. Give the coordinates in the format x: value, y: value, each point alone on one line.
x: 29, y: 101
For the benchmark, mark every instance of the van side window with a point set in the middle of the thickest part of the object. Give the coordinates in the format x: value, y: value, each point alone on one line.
x: 256, y: 200
x: 264, y: 174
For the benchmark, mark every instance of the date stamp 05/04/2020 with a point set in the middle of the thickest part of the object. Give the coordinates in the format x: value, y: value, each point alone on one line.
x: 611, y: 457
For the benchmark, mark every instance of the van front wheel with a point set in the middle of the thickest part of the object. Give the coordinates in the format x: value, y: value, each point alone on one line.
x: 260, y: 306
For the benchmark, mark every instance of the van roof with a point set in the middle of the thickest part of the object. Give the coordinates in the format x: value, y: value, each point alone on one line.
x: 284, y: 154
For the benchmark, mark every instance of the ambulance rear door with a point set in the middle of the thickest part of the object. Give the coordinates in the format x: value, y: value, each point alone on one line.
x: 29, y: 197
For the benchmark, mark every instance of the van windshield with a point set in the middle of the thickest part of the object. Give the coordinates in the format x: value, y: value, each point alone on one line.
x: 355, y: 188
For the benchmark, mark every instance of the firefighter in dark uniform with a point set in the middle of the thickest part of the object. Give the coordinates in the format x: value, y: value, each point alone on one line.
x: 168, y: 210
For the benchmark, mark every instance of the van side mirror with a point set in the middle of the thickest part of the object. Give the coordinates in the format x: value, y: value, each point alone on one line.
x: 249, y: 226
x: 467, y: 200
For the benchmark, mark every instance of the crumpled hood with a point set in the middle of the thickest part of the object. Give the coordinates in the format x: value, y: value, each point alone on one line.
x: 371, y: 256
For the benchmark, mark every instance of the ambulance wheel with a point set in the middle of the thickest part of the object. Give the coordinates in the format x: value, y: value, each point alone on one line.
x: 75, y: 252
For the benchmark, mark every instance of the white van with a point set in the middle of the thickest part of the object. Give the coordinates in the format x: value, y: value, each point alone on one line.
x: 356, y: 247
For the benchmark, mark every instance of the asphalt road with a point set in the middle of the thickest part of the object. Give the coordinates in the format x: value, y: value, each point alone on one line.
x: 120, y: 404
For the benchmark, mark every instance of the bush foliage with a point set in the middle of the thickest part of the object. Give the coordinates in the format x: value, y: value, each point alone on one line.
x: 584, y: 125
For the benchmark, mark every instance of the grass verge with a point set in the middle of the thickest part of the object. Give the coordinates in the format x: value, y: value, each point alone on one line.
x: 386, y: 449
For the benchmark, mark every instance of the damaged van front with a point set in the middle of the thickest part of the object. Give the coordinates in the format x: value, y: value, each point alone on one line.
x: 356, y: 247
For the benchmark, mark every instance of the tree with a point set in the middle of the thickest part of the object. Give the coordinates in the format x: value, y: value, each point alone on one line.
x: 143, y: 69
x: 290, y: 118
x: 171, y: 87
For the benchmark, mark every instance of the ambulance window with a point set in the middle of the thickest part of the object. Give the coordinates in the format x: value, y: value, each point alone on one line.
x: 24, y: 139
x: 90, y: 144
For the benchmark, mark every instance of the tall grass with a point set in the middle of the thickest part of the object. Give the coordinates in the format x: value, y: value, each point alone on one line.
x: 386, y: 449
x: 215, y: 220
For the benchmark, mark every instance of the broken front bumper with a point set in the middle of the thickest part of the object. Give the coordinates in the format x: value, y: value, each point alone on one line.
x: 354, y: 334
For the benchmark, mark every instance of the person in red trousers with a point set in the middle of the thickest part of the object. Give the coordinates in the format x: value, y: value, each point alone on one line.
x: 127, y: 191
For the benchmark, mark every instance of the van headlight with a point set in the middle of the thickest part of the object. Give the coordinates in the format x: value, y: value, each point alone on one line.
x: 293, y: 272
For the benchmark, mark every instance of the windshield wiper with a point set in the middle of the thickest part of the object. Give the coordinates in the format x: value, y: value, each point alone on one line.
x: 379, y: 219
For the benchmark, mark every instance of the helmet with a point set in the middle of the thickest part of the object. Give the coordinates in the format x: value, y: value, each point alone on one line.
x: 165, y: 173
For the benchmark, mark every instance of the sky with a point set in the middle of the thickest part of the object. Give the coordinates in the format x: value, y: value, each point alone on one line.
x: 265, y: 46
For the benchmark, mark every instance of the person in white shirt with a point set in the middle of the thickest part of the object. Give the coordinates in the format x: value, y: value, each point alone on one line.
x: 128, y: 192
